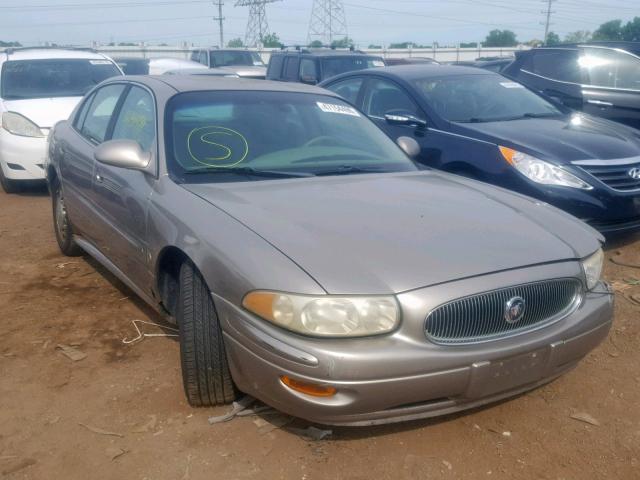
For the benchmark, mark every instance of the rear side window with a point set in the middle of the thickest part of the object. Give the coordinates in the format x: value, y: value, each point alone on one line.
x: 308, y: 69
x: 610, y: 68
x: 291, y: 68
x: 82, y: 113
x: 99, y: 114
x: 275, y: 66
x: 559, y: 65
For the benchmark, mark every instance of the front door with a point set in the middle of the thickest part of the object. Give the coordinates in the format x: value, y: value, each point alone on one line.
x: 122, y: 195
x: 613, y: 84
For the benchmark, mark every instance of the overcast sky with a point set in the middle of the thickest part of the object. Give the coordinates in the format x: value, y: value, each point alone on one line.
x: 369, y: 21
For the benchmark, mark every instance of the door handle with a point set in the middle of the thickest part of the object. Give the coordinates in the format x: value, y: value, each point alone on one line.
x: 600, y: 103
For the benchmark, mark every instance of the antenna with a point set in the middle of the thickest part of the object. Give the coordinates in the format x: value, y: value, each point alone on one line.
x: 328, y: 21
x: 257, y: 26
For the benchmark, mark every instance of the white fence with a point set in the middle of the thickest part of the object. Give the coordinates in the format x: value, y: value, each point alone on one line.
x: 440, y: 54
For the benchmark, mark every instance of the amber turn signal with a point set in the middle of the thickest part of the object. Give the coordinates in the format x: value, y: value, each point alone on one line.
x: 308, y: 388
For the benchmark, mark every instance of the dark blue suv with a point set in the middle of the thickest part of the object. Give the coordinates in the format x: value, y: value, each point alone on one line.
x: 482, y: 125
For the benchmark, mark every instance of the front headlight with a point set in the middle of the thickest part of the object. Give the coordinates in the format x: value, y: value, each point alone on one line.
x: 326, y: 316
x: 540, y: 171
x: 592, y: 267
x: 18, y: 125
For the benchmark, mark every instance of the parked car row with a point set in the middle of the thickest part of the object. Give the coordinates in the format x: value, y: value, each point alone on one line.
x: 309, y: 262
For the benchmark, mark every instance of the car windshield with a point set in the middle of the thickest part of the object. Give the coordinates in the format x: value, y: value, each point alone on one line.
x: 231, y: 59
x: 243, y: 135
x: 26, y: 79
x: 483, y: 98
x: 333, y: 66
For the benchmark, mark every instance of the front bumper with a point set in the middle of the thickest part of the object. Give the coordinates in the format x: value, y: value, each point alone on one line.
x: 403, y: 376
x: 608, y: 211
x: 22, y: 158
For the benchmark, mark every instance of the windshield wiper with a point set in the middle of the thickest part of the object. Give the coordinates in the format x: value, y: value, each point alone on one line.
x: 349, y: 169
x: 248, y: 171
x: 540, y: 115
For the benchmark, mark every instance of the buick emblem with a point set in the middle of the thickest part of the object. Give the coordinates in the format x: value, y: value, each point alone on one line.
x: 514, y: 310
x: 635, y: 173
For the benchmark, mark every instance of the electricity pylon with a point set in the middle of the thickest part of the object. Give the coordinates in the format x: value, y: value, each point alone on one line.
x: 328, y: 21
x: 257, y: 25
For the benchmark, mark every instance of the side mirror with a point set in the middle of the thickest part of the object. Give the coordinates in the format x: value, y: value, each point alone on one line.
x: 406, y: 120
x: 409, y: 146
x: 123, y: 154
x: 309, y: 79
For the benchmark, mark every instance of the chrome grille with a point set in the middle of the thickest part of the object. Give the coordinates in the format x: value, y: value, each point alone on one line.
x: 615, y: 176
x: 481, y: 317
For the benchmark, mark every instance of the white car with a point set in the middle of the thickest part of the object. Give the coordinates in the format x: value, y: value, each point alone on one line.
x: 38, y: 88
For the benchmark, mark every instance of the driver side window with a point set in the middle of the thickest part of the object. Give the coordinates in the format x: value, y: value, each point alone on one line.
x: 383, y: 97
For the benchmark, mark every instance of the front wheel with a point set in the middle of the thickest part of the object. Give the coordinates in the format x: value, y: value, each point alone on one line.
x: 205, y: 368
x: 62, y: 225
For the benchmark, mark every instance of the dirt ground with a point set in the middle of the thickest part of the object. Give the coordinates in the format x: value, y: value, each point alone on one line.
x: 54, y: 412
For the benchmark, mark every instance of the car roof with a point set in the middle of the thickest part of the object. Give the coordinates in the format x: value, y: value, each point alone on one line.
x: 633, y: 47
x: 416, y: 72
x: 50, y: 53
x: 325, y: 52
x: 196, y: 83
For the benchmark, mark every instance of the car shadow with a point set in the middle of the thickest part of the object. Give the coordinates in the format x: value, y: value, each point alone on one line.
x: 620, y: 241
x: 359, y: 433
x: 33, y: 190
x: 151, y: 314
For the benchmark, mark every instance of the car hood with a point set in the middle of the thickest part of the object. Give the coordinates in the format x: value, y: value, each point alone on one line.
x: 389, y: 233
x: 246, y: 71
x: 562, y: 140
x: 44, y: 112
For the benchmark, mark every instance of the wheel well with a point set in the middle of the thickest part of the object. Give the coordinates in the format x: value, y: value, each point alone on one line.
x: 171, y: 259
x: 52, y: 176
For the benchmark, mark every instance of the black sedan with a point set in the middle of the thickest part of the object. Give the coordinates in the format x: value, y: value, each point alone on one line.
x: 482, y: 125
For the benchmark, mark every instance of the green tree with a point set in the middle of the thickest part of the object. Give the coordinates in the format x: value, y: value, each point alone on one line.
x: 469, y: 45
x: 500, y: 38
x: 579, y: 36
x: 271, y: 40
x: 552, y: 39
x: 611, y: 30
x: 10, y: 44
x: 631, y: 31
x: 375, y: 47
x: 235, y: 43
x: 316, y: 44
x: 345, y: 42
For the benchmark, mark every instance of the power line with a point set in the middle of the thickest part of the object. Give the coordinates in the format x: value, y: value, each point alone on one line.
x: 98, y: 5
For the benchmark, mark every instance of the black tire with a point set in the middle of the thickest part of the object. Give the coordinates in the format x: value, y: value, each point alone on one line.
x: 9, y: 186
x: 62, y: 225
x: 205, y: 368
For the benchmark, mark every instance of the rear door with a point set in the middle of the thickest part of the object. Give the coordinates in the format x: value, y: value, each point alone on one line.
x: 612, y: 84
x: 122, y: 195
x: 556, y: 73
x: 77, y: 164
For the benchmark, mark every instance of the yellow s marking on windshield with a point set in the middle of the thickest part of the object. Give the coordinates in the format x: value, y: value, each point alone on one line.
x: 233, y: 151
